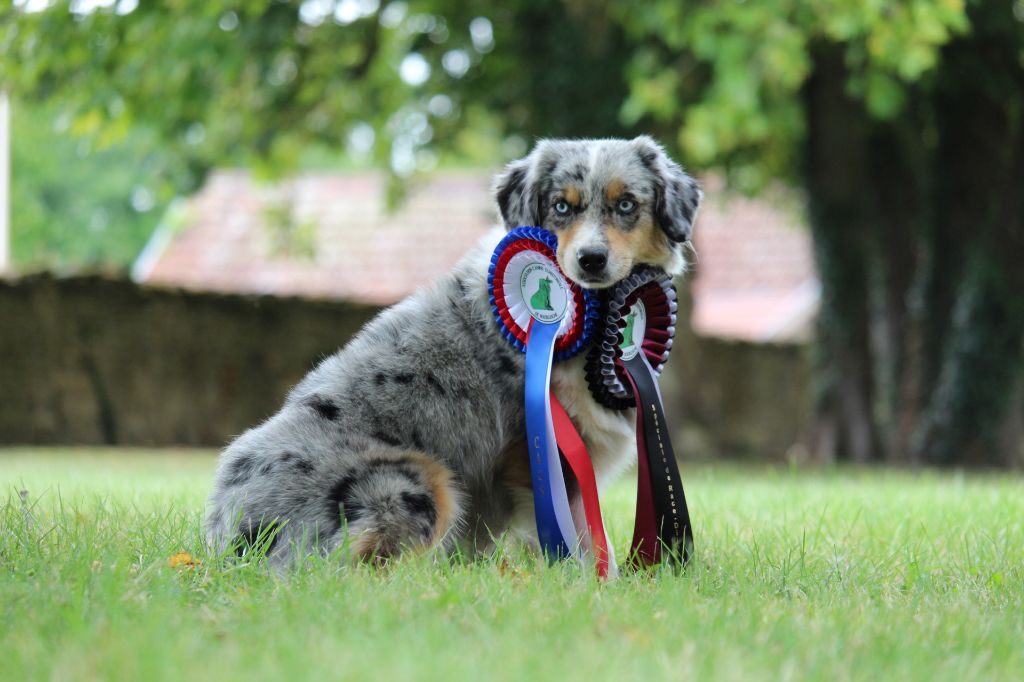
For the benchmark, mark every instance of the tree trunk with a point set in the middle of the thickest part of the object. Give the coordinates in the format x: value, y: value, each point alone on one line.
x: 980, y: 203
x: 836, y: 174
x: 898, y: 171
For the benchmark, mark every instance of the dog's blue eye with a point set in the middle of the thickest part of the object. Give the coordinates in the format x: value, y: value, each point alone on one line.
x: 626, y: 206
x: 562, y: 208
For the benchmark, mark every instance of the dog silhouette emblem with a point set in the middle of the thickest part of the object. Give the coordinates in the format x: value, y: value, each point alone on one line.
x: 541, y: 299
x: 627, y: 333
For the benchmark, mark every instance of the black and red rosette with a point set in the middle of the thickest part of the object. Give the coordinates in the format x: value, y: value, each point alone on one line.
x: 622, y: 369
x: 643, y: 306
x: 550, y: 318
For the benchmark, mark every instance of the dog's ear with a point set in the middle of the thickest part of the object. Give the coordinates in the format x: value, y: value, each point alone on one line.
x: 516, y: 192
x: 679, y: 204
x: 677, y: 193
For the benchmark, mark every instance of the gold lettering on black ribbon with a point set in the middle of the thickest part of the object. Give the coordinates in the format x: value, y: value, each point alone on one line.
x: 671, y: 513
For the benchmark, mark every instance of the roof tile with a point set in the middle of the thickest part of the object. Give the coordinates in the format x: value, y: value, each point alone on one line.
x: 330, y: 235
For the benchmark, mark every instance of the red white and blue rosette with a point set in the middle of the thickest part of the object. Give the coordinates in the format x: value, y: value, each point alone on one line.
x: 632, y: 345
x: 520, y: 261
x: 550, y: 318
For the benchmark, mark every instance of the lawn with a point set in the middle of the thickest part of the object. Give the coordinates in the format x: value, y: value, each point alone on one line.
x: 835, y: 574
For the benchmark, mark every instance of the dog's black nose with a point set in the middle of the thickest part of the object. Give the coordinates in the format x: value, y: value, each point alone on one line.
x: 592, y: 260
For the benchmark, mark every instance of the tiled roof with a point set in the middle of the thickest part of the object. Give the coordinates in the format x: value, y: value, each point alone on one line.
x: 321, y: 235
x: 330, y: 235
x: 754, y: 274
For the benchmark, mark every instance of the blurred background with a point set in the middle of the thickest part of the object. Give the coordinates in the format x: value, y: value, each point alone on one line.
x: 199, y: 199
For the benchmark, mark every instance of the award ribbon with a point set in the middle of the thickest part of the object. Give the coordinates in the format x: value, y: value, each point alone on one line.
x: 555, y: 527
x: 575, y: 453
x: 549, y: 318
x: 622, y: 371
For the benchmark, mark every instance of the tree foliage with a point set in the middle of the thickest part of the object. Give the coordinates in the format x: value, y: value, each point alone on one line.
x: 73, y: 205
x: 244, y: 80
x: 262, y: 81
x: 904, y: 122
x: 725, y: 77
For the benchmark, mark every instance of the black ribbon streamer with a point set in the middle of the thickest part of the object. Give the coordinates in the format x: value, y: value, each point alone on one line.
x: 663, y: 531
x: 672, y: 516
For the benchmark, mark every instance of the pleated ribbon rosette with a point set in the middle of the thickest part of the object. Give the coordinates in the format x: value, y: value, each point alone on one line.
x: 631, y: 347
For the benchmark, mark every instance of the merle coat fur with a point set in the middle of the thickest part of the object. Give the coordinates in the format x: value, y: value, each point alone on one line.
x: 413, y: 434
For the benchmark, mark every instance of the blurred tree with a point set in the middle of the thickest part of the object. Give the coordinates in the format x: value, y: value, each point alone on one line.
x: 75, y: 205
x: 903, y: 121
x: 974, y: 338
x: 905, y: 124
x: 262, y: 81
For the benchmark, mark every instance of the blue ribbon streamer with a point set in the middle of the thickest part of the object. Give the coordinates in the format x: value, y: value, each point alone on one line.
x: 555, y: 528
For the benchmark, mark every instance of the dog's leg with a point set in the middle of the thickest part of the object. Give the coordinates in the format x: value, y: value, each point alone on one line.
x: 388, y: 501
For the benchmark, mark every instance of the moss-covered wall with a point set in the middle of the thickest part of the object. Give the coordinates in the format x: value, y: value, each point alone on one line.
x: 743, y: 399
x: 95, y: 360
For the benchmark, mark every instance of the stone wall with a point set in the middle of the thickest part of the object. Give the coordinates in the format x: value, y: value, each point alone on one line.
x: 95, y: 360
x: 742, y: 399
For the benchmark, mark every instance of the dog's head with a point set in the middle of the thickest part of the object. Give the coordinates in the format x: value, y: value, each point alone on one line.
x: 613, y: 204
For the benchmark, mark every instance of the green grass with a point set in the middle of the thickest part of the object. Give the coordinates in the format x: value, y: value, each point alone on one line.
x: 824, y: 574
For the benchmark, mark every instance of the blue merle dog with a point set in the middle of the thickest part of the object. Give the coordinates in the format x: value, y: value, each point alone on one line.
x: 412, y: 436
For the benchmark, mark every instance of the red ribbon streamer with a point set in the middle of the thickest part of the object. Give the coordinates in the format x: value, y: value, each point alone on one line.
x: 575, y: 453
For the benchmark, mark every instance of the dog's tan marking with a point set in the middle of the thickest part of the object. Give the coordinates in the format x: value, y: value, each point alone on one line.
x: 633, y: 244
x: 627, y: 245
x: 566, y: 239
x: 645, y: 243
x: 614, y: 190
x: 654, y: 245
x: 572, y: 195
x: 370, y: 546
x: 439, y: 480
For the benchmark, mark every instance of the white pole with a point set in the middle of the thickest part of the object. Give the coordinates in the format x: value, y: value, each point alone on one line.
x: 5, y: 184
